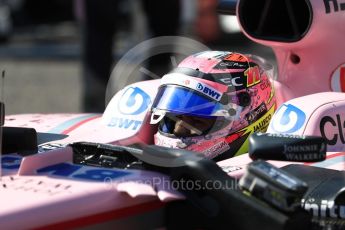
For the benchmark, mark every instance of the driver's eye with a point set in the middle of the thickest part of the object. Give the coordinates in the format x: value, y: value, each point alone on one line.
x: 200, y: 121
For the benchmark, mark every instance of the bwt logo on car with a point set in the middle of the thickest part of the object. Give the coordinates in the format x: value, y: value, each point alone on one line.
x: 133, y: 102
x: 209, y: 92
x: 288, y: 119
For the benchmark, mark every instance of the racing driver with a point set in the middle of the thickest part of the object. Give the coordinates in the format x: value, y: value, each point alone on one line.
x: 212, y: 102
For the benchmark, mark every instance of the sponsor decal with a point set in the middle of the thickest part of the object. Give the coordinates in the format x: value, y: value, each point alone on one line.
x: 304, y: 156
x: 324, y: 209
x: 304, y: 152
x: 231, y: 65
x: 216, y: 149
x: 264, y: 84
x: 189, y: 82
x: 300, y: 148
x: 263, y: 124
x: 124, y: 123
x: 332, y: 6
x: 133, y: 101
x: 332, y: 129
x: 288, y: 119
x: 81, y: 172
x: 338, y: 79
x: 241, y: 80
x: 208, y: 91
x: 232, y: 81
x: 256, y: 113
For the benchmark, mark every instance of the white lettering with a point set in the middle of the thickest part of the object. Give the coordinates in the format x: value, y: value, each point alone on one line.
x: 232, y: 81
x: 325, y: 209
x: 208, y: 91
x: 124, y: 123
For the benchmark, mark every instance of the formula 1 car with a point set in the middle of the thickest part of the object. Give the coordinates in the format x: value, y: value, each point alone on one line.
x: 76, y: 184
x: 92, y: 170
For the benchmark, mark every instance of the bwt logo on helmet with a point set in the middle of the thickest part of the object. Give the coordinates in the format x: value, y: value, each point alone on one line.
x: 207, y: 91
x: 288, y: 119
x: 133, y: 101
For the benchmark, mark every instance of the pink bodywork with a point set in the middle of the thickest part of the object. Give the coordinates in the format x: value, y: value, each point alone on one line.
x: 321, y: 65
x: 45, y: 200
x: 42, y: 199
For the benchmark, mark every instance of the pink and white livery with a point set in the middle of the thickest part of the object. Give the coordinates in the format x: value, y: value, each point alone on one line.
x: 307, y: 38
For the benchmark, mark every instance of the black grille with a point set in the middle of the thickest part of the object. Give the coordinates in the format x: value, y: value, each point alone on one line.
x: 276, y: 20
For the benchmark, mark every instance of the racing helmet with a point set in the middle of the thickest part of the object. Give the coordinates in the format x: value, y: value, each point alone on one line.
x: 212, y: 102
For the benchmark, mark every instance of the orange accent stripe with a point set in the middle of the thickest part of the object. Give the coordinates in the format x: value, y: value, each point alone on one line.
x: 235, y: 57
x: 105, y: 216
x: 70, y: 129
x: 327, y: 157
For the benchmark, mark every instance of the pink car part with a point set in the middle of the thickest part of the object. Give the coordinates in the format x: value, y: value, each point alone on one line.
x: 306, y: 37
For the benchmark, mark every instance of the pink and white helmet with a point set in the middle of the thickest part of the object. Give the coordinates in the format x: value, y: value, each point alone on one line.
x: 219, y: 97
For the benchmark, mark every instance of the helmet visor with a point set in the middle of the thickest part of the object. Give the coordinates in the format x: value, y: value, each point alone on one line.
x: 181, y: 100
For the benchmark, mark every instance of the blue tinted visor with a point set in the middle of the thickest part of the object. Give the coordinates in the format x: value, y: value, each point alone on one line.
x: 181, y: 100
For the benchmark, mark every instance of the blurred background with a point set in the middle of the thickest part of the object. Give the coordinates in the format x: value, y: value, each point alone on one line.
x: 42, y: 46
